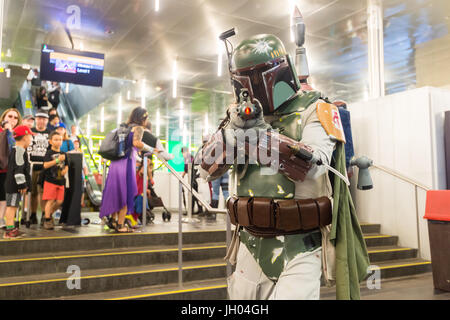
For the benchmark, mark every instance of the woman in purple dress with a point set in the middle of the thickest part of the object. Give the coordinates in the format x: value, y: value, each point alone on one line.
x: 120, y: 188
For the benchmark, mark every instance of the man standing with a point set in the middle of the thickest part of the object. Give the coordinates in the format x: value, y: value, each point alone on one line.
x: 37, y: 151
x: 284, y: 214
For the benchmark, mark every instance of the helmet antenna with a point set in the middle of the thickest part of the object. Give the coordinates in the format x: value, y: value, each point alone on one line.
x: 224, y: 37
x: 301, y: 61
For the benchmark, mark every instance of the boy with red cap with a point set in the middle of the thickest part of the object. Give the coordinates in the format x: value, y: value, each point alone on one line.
x: 18, y: 178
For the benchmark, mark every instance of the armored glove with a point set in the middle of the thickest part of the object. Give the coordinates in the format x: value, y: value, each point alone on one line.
x: 284, y: 154
x: 214, y: 156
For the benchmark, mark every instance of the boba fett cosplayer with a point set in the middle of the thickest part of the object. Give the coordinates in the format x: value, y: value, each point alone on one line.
x: 294, y: 226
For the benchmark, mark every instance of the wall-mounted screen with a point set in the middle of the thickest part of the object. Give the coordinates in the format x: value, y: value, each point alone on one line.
x: 72, y: 66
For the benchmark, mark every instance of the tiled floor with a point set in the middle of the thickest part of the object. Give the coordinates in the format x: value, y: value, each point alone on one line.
x: 419, y: 287
x: 96, y: 229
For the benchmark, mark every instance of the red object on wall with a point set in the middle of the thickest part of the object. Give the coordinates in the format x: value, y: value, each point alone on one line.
x: 438, y: 205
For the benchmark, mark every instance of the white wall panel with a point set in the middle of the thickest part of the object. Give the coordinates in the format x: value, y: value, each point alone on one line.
x: 166, y: 186
x: 403, y: 132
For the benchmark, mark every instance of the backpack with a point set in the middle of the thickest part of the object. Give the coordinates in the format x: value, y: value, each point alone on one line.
x: 111, y: 146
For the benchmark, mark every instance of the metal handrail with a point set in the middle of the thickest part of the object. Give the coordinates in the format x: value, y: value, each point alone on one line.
x: 402, y: 177
x: 416, y: 185
x: 190, y: 189
x: 180, y: 225
x: 182, y: 184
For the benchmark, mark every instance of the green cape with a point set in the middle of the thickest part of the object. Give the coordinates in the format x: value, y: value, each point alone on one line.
x: 352, y: 259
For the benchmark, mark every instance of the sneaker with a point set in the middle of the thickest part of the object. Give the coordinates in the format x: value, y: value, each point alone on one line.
x: 11, y: 234
x: 33, y: 218
x: 49, y: 225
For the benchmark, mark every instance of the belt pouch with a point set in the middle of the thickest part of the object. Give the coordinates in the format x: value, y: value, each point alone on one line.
x: 325, y: 214
x: 309, y: 214
x: 288, y: 218
x: 263, y: 215
x: 231, y: 206
x: 244, y: 211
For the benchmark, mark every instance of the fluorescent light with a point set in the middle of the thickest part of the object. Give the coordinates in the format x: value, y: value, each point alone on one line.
x: 102, y: 120
x: 219, y: 61
x: 158, y: 123
x: 128, y: 95
x: 174, y: 90
x: 143, y: 88
x: 156, y: 5
x: 181, y: 114
x: 175, y: 79
x: 119, y: 111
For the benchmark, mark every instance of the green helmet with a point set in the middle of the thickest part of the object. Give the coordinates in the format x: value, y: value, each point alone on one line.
x: 262, y: 65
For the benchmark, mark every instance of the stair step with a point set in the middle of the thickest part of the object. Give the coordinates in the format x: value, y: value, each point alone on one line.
x: 370, y: 227
x: 45, y: 263
x: 385, y: 253
x: 102, y: 280
x: 377, y: 240
x: 36, y: 245
x: 405, y: 267
x: 410, y: 287
x: 214, y: 289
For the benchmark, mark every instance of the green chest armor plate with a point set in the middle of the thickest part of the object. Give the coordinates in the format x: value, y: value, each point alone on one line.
x: 273, y: 254
x: 260, y: 181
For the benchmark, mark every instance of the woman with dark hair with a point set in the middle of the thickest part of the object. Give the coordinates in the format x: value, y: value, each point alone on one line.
x: 121, y: 188
x: 42, y: 100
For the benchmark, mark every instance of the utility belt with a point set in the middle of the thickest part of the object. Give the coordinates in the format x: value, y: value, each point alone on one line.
x: 266, y: 217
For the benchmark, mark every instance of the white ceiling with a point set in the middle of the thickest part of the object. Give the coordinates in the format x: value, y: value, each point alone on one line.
x: 141, y: 43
